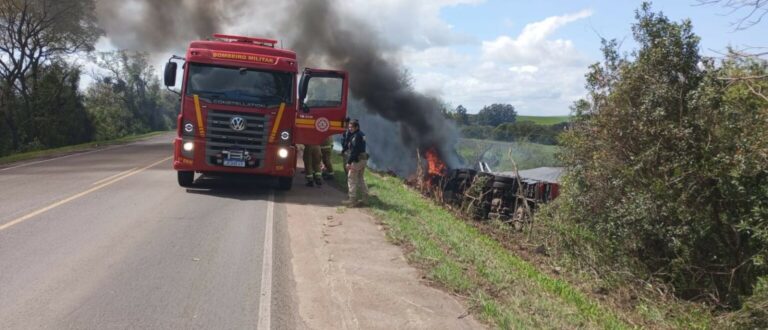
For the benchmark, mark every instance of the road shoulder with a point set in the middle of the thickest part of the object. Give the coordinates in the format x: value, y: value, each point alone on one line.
x: 349, y: 276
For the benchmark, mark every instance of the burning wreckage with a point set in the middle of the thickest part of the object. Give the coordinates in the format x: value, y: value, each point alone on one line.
x: 480, y: 193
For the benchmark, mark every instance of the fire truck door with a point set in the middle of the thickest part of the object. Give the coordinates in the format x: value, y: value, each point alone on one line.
x: 322, y: 105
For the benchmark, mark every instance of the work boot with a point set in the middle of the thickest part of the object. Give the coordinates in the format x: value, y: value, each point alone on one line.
x: 318, y: 181
x: 349, y: 203
x: 328, y: 176
x: 310, y: 183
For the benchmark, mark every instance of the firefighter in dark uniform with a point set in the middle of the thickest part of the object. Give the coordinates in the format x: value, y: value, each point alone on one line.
x: 345, y: 141
x: 355, y: 165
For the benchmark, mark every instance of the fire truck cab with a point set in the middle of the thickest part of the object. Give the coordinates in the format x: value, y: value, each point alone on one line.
x: 244, y: 110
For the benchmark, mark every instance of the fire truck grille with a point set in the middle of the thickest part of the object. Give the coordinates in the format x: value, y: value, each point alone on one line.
x: 221, y: 139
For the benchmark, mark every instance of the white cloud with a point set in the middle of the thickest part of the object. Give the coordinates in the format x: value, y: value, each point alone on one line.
x: 535, y: 73
x: 524, y: 69
x: 531, y: 46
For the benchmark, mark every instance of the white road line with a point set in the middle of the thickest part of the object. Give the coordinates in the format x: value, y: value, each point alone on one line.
x: 265, y: 302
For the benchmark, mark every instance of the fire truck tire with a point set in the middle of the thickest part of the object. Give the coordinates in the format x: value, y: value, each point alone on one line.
x: 186, y: 178
x: 284, y: 183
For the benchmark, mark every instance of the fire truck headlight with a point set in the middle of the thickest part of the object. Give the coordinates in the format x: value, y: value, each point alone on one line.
x: 285, y: 135
x: 189, y: 146
x: 282, y: 153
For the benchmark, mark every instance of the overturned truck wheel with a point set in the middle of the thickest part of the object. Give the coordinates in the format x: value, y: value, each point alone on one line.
x: 520, y: 218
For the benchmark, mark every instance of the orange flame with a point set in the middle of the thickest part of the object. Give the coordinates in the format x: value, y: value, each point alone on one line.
x: 435, y: 165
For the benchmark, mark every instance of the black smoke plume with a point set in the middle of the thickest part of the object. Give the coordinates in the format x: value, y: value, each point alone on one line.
x: 161, y: 25
x: 397, y: 119
x: 320, y: 34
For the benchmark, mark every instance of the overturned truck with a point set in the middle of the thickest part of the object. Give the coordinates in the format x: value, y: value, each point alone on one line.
x: 505, y: 196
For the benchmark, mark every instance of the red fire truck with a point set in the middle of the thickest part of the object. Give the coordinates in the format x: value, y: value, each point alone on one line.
x: 243, y: 110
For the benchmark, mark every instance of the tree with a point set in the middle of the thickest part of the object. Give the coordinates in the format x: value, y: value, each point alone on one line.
x: 461, y: 116
x: 496, y: 114
x: 668, y: 163
x: 127, y: 98
x: 33, y: 35
x: 57, y: 113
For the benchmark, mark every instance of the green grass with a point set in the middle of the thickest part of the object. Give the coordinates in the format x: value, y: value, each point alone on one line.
x: 527, y: 155
x: 545, y: 120
x: 503, y: 289
x: 48, y: 153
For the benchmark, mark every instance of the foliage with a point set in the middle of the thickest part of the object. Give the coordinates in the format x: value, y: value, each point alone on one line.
x: 496, y: 114
x: 477, y: 132
x: 754, y: 314
x: 461, y: 116
x: 56, y: 114
x: 528, y: 131
x: 35, y: 36
x: 127, y: 97
x: 669, y: 164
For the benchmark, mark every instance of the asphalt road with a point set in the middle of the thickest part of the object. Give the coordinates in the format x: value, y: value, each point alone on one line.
x: 107, y: 239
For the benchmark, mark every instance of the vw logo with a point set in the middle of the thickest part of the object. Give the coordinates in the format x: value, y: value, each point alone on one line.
x: 237, y: 123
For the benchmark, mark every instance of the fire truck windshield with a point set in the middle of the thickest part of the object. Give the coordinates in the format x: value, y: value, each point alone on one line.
x: 239, y: 85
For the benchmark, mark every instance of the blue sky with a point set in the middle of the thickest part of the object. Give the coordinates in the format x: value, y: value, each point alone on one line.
x: 610, y: 19
x: 531, y: 54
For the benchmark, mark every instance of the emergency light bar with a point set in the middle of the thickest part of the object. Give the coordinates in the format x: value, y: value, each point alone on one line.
x: 258, y: 41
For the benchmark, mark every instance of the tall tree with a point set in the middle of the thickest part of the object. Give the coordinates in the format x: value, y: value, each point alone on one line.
x: 127, y: 97
x: 33, y: 34
x: 462, y: 118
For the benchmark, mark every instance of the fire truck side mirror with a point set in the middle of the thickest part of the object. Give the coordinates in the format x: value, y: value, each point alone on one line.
x: 169, y: 76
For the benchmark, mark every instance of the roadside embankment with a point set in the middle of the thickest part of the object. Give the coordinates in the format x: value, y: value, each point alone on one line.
x: 501, y: 288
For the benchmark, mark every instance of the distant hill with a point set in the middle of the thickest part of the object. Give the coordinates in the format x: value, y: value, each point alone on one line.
x: 542, y: 120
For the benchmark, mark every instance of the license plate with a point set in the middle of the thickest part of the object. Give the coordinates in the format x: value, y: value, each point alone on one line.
x: 234, y: 163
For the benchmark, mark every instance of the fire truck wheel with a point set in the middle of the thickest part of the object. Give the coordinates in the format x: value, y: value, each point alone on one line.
x: 284, y: 183
x: 186, y: 178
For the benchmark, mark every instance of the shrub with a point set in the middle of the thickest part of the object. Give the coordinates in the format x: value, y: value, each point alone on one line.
x: 669, y: 163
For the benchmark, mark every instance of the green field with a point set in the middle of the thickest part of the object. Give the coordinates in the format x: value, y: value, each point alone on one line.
x: 544, y: 120
x: 499, y: 155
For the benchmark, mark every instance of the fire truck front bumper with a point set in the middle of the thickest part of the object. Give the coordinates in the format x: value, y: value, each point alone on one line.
x: 191, y: 155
